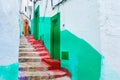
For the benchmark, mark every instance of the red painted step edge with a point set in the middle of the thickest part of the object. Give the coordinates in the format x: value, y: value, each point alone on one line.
x: 54, y: 63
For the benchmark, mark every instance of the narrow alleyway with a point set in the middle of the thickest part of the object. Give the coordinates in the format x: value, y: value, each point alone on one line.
x: 35, y: 62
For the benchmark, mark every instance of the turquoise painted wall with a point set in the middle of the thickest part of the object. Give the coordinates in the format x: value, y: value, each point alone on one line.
x: 84, y: 61
x: 44, y: 30
x: 45, y: 24
x: 9, y: 72
x: 32, y: 26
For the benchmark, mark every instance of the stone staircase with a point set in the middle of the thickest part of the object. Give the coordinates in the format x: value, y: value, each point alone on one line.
x: 35, y: 62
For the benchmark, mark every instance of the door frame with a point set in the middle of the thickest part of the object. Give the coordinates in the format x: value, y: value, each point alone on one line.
x: 36, y: 23
x: 55, y: 37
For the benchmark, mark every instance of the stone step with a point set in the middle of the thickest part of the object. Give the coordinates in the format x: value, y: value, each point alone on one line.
x: 26, y: 50
x: 41, y: 75
x: 30, y: 37
x: 45, y: 57
x: 41, y: 49
x: 26, y: 46
x: 28, y: 55
x: 32, y: 66
x: 38, y: 75
x: 55, y: 64
x: 35, y: 62
x: 34, y: 52
x: 30, y: 40
x: 24, y: 43
x: 37, y: 42
x: 57, y: 73
x: 63, y: 78
x: 29, y: 59
x: 37, y: 45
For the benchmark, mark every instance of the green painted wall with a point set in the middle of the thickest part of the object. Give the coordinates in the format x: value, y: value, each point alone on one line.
x: 55, y: 37
x: 84, y: 61
x: 45, y: 24
x: 9, y: 72
x: 49, y: 32
x: 36, y: 24
x: 32, y: 26
x: 44, y: 30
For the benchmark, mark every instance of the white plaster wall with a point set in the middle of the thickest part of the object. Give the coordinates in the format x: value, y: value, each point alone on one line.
x: 107, y: 72
x: 110, y: 32
x: 9, y: 31
x: 81, y: 17
x: 23, y: 4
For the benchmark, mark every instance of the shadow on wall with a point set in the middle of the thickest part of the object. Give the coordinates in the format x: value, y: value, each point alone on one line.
x: 84, y: 62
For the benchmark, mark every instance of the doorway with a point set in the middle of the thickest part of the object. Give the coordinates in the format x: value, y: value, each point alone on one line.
x: 36, y: 23
x: 55, y: 37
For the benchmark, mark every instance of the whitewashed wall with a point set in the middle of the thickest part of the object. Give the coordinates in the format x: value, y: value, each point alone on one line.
x: 9, y: 31
x: 23, y: 4
x: 81, y: 17
x: 110, y: 32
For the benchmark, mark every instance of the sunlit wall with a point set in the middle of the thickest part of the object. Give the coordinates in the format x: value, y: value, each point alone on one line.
x: 9, y: 39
